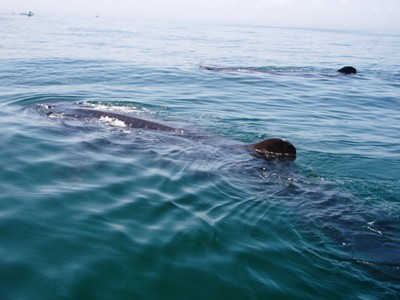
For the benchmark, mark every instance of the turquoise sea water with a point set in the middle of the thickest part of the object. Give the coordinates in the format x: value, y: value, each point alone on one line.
x: 95, y: 210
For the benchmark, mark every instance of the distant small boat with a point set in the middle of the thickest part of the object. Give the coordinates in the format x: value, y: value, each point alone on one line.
x: 29, y: 14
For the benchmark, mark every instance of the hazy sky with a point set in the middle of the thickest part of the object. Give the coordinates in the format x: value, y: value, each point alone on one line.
x: 341, y: 14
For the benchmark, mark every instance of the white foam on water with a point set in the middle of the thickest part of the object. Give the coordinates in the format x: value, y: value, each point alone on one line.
x: 112, y: 122
x: 114, y: 108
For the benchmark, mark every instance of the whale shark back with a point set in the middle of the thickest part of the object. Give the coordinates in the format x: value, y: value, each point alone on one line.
x: 87, y: 113
x: 128, y: 120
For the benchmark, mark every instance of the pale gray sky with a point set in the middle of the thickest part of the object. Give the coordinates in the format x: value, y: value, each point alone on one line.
x: 336, y: 14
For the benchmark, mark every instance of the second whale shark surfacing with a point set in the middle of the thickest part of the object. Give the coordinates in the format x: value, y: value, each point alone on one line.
x: 348, y: 70
x: 274, y: 148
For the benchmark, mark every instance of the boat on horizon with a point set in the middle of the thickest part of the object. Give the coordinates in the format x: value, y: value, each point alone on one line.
x: 29, y: 14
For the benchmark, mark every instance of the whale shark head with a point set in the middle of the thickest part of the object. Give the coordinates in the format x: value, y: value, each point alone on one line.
x: 275, y: 149
x: 347, y: 70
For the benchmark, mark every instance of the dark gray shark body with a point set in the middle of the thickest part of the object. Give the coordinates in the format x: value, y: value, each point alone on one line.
x: 86, y: 113
x: 268, y: 149
x: 348, y: 70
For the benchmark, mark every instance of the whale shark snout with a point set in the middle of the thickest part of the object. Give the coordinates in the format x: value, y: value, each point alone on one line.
x: 347, y: 70
x: 275, y: 148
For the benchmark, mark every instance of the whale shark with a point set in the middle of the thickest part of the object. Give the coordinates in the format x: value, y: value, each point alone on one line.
x: 347, y: 70
x: 273, y: 148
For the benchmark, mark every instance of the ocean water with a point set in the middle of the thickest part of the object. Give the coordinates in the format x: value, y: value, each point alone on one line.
x: 92, y: 209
